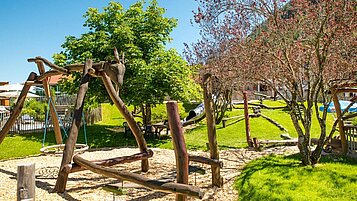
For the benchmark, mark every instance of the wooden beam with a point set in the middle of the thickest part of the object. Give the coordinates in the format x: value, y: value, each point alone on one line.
x: 284, y: 142
x: 18, y: 106
x: 53, y: 113
x: 135, y: 129
x: 346, y: 90
x: 62, y: 178
x: 246, y: 117
x: 47, y: 75
x: 340, y: 122
x: 78, y: 67
x: 179, y: 144
x: 114, y: 161
x: 157, y: 185
x: 49, y: 64
x: 349, y: 116
x: 208, y: 161
x: 217, y: 180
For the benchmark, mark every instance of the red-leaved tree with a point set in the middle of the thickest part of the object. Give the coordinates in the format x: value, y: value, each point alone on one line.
x: 300, y: 48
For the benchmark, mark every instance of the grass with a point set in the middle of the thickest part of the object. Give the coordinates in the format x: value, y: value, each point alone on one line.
x: 283, y: 178
x: 109, y: 132
x: 233, y: 136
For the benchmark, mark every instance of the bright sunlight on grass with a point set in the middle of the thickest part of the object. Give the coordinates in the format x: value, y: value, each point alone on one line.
x: 110, y: 133
x: 283, y: 178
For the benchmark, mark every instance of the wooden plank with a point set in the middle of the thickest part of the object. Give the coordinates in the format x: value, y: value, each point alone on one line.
x: 114, y: 161
x: 26, y: 182
x: 179, y: 144
x: 18, y: 107
x: 62, y: 178
x: 157, y: 185
x: 135, y: 129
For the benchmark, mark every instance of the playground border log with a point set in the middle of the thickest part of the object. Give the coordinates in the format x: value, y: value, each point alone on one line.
x: 157, y: 185
x: 114, y: 161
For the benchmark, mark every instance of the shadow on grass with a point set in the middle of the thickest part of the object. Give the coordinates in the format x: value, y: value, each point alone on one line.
x: 101, y: 136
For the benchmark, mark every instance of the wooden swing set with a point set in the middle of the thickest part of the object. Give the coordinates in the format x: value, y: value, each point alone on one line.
x: 348, y: 134
x: 114, y: 72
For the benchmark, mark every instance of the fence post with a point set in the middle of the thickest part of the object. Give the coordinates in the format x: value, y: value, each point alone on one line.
x: 26, y: 182
x: 246, y: 117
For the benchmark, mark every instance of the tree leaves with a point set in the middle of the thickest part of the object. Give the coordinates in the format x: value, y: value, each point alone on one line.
x: 152, y: 72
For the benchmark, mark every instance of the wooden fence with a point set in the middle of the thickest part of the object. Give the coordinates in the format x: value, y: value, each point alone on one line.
x: 351, y: 137
x: 27, y: 124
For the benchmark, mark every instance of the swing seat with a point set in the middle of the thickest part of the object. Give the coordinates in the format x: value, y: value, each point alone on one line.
x: 58, y: 149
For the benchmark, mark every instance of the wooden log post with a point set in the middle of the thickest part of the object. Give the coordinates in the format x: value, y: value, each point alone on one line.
x: 178, y: 141
x: 26, y: 182
x: 246, y: 117
x: 217, y: 180
x: 209, y: 161
x: 341, y: 129
x: 114, y: 161
x: 54, y: 117
x: 162, y: 186
x: 18, y: 106
x: 61, y: 182
x: 139, y: 137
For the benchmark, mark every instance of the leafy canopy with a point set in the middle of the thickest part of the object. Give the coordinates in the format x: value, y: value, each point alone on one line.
x: 140, y: 32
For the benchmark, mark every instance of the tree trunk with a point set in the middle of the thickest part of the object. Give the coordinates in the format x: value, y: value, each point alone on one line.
x: 316, y: 154
x: 305, y: 150
x: 303, y: 141
x: 147, y: 114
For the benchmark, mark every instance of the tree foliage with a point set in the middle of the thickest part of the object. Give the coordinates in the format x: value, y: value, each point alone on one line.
x: 140, y: 33
x: 300, y: 48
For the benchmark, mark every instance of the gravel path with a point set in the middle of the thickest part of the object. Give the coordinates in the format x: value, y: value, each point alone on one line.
x: 86, y: 185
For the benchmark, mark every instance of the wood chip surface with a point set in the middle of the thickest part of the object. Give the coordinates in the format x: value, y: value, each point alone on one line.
x: 86, y: 185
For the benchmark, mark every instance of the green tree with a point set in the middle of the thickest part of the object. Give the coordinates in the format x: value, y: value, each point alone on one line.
x: 140, y: 33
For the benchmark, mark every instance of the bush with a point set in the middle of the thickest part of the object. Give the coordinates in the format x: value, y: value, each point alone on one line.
x: 35, y: 109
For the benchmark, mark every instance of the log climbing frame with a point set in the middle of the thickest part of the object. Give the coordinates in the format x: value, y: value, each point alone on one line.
x: 109, y: 72
x: 340, y: 114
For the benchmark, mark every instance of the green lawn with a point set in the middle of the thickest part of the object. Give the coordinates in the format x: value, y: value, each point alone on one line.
x: 283, y: 178
x: 270, y: 178
x: 109, y: 132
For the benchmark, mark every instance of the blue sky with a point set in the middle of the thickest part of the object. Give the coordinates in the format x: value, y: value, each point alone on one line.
x: 30, y: 28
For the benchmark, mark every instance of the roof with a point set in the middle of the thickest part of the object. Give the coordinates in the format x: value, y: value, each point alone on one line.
x: 53, y: 80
